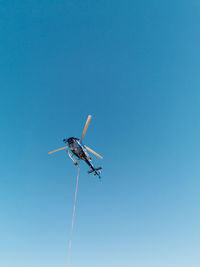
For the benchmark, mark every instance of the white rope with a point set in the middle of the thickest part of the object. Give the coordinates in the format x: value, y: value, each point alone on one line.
x: 73, y: 215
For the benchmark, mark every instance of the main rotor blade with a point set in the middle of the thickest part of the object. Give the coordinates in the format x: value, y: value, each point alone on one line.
x: 92, y: 151
x: 86, y: 126
x: 58, y: 149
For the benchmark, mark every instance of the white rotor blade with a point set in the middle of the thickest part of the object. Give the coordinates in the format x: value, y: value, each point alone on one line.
x: 58, y: 149
x: 86, y: 126
x: 92, y: 151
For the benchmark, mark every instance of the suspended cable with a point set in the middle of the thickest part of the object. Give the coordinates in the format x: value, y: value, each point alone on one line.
x: 73, y: 215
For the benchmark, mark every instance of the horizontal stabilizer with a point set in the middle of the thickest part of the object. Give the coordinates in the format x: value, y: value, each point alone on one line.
x: 97, y: 169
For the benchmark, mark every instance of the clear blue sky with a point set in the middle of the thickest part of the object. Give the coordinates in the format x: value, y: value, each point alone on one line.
x: 133, y: 65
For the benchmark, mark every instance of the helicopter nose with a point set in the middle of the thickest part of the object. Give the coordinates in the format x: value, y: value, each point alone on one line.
x: 70, y: 140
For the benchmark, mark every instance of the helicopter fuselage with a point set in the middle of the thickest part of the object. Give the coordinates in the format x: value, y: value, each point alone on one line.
x: 80, y: 152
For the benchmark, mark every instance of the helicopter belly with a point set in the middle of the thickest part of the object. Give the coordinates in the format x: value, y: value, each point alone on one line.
x: 78, y: 151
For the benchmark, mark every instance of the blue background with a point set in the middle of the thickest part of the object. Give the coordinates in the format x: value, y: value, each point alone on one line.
x: 133, y: 65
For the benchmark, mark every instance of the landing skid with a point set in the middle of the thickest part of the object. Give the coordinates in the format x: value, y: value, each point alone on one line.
x: 72, y: 158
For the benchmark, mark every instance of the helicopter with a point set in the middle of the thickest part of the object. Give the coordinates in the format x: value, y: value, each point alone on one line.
x: 78, y: 149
